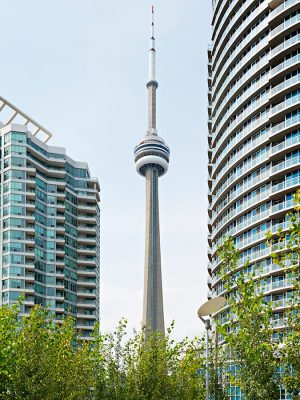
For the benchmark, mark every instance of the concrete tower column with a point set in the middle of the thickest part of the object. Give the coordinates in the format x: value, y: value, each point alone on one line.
x: 153, y: 310
x: 152, y: 160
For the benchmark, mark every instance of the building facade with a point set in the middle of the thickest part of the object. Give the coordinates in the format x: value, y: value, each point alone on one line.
x: 50, y: 222
x: 254, y: 137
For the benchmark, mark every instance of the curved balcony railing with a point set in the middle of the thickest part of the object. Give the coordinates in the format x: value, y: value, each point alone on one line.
x: 239, y: 100
x: 285, y: 104
x: 230, y: 146
x: 238, y: 84
x: 251, y: 239
x: 255, y: 255
x: 286, y: 184
x: 244, y: 131
x: 224, y: 204
x: 235, y: 36
x: 247, y: 167
x: 239, y: 156
x: 230, y: 25
x: 285, y: 64
x: 238, y: 210
x: 286, y: 24
x: 286, y: 144
x: 295, y: 161
x: 243, y: 188
x: 257, y: 271
x: 276, y: 285
x: 285, y: 84
x: 254, y: 124
x: 292, y: 122
x: 241, y: 226
x: 215, y: 4
x: 282, y: 303
x: 237, y: 51
x: 284, y: 45
x: 285, y: 205
x: 264, y: 43
x: 254, y: 106
x: 282, y: 7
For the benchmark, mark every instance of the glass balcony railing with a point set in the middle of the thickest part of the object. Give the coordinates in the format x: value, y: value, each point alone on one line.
x: 238, y: 49
x: 244, y: 150
x: 232, y: 21
x: 282, y: 303
x: 263, y: 99
x: 282, y: 7
x: 242, y: 188
x: 245, y: 95
x: 287, y: 143
x: 263, y: 119
x: 251, y: 239
x: 217, y: 92
x: 285, y: 45
x: 285, y: 25
x: 246, y: 240
x: 247, y: 167
x: 286, y: 184
x: 286, y: 164
x: 254, y: 255
x: 247, y: 204
x: 285, y: 84
x: 295, y: 120
x: 285, y: 104
x: 285, y: 64
x: 276, y: 323
x: 283, y: 206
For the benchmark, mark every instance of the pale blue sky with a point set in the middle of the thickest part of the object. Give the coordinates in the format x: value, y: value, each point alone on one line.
x: 79, y: 67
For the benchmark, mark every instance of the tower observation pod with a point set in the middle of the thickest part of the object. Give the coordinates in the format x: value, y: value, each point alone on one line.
x: 151, y: 158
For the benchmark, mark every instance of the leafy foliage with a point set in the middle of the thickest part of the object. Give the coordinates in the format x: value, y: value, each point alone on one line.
x: 42, y: 360
x: 248, y: 336
x: 287, y: 256
x: 248, y: 332
x: 158, y: 369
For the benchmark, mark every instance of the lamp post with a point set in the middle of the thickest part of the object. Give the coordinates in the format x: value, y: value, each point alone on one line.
x: 206, y: 310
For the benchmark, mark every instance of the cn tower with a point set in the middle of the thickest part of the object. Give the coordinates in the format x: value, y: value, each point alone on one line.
x: 151, y: 158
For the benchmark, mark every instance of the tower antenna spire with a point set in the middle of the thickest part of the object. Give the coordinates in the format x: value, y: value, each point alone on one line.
x: 152, y: 84
x: 152, y: 50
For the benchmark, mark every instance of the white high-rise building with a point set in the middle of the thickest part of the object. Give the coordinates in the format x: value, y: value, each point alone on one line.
x: 254, y: 137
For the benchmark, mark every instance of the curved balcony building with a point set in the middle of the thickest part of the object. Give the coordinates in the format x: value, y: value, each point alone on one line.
x: 254, y: 136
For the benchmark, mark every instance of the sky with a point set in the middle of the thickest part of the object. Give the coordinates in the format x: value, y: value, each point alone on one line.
x: 79, y: 67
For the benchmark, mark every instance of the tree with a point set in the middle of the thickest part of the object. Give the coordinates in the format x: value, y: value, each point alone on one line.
x: 286, y: 254
x: 8, y: 329
x: 42, y: 360
x: 156, y: 369
x: 247, y: 334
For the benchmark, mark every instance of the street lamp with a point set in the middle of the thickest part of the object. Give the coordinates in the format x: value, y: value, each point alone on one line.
x: 206, y: 310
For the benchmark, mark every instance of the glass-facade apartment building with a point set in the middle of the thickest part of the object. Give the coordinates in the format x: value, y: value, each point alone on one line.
x: 254, y: 138
x: 50, y: 221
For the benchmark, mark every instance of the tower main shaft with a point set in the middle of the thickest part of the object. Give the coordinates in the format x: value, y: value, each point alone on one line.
x: 152, y: 159
x: 153, y: 310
